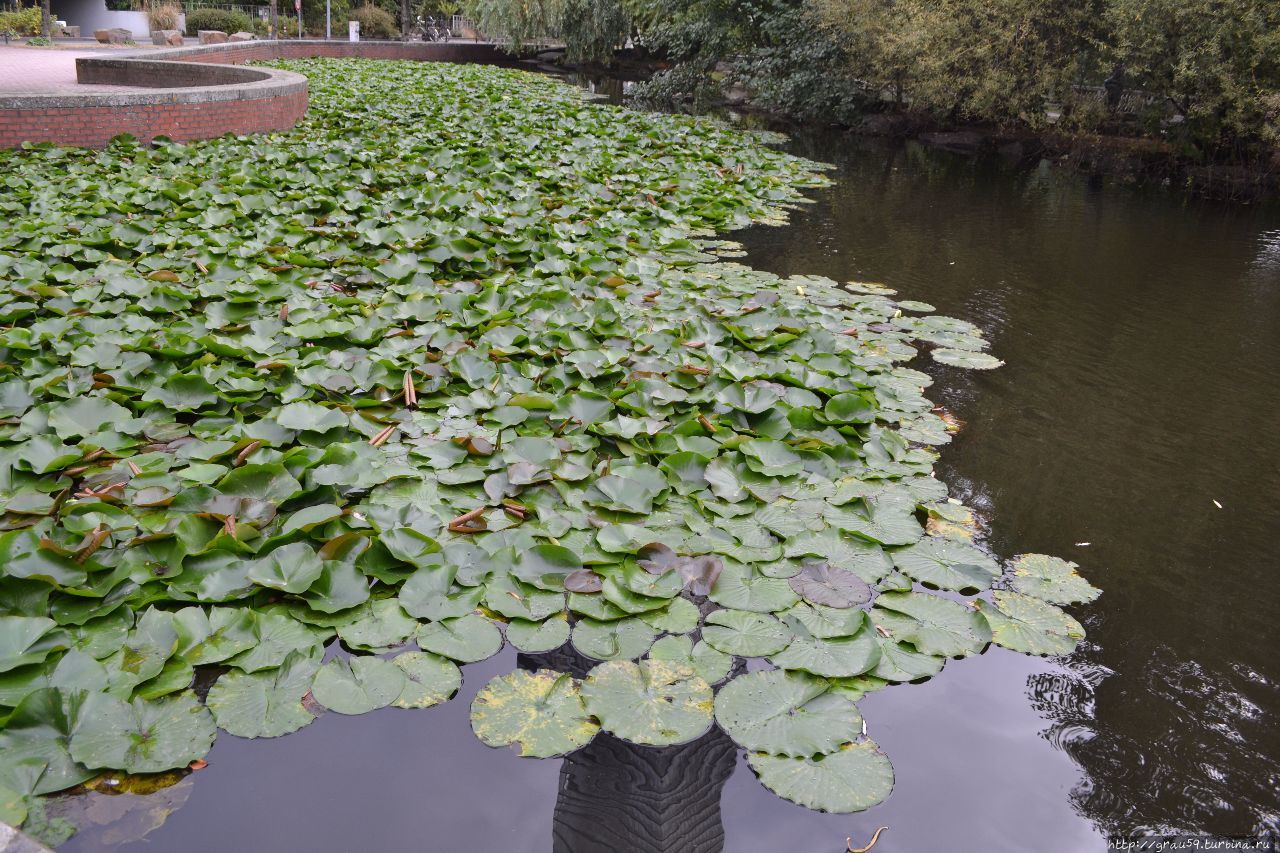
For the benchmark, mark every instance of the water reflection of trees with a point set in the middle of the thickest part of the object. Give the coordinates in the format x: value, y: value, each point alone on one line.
x: 1188, y: 752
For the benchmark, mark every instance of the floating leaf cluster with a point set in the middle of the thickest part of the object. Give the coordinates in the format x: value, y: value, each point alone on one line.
x: 451, y: 366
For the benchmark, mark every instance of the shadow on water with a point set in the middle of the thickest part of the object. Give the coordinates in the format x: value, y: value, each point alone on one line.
x: 1142, y: 337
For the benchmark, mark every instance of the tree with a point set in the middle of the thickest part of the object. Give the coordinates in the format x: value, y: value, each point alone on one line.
x: 591, y: 29
x: 46, y: 20
x: 1215, y: 62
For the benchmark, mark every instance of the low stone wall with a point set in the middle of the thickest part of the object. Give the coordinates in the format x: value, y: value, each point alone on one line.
x: 198, y: 92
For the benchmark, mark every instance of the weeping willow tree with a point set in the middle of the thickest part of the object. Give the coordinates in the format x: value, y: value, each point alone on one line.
x: 590, y: 29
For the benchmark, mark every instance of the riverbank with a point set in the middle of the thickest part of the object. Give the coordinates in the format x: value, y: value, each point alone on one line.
x: 1126, y: 158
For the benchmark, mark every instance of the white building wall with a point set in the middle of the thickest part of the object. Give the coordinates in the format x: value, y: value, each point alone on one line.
x: 92, y: 15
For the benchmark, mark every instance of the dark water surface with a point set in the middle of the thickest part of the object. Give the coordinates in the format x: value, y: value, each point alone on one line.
x: 1142, y: 341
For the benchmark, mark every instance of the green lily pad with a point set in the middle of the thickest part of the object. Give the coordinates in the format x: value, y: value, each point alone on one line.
x: 1029, y: 625
x: 931, y: 624
x: 467, y: 639
x: 711, y: 665
x: 541, y: 712
x: 899, y: 662
x: 834, y: 657
x: 289, y: 568
x: 358, y: 685
x: 821, y: 583
x: 966, y: 358
x: 28, y: 639
x: 142, y: 736
x: 786, y: 713
x: 381, y: 624
x: 535, y: 637
x: 213, y: 635
x: 428, y: 679
x: 739, y: 587
x: 1051, y: 579
x: 853, y: 779
x: 623, y: 639
x: 652, y: 703
x: 267, y: 703
x: 946, y: 564
x: 741, y: 632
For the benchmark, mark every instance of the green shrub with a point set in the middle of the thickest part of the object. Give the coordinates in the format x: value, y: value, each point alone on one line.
x: 218, y: 19
x: 375, y: 23
x: 24, y: 22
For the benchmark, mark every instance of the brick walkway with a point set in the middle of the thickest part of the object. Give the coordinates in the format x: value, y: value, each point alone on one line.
x: 33, y: 70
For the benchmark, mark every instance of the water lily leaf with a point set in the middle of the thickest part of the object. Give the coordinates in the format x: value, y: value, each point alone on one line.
x: 786, y: 713
x: 853, y: 779
x: 289, y: 568
x: 339, y: 587
x: 358, y: 685
x: 865, y: 559
x: 824, y: 622
x: 680, y: 617
x: 381, y: 624
x: 834, y: 657
x: 86, y: 416
x: 430, y: 593
x: 28, y: 639
x: 900, y: 663
x: 310, y: 417
x: 541, y: 712
x: 271, y: 482
x: 39, y: 729
x: 932, y: 624
x: 211, y: 636
x: 546, y: 566
x: 535, y: 637
x: 142, y: 736
x: 267, y: 703
x: 583, y: 580
x: 652, y: 703
x: 946, y: 564
x: 467, y: 639
x: 1051, y: 579
x: 741, y: 632
x: 858, y: 408
x: 623, y: 639
x: 1029, y: 625
x: 712, y: 666
x: 966, y: 358
x: 277, y: 636
x: 700, y: 573
x: 740, y: 588
x: 428, y: 679
x: 771, y: 458
x: 143, y: 653
x: 821, y: 583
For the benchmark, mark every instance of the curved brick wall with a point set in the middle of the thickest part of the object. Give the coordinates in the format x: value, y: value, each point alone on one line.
x: 196, y: 92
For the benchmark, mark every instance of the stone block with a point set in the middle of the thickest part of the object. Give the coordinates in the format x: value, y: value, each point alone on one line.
x: 166, y: 38
x: 241, y: 36
x: 115, y: 35
x: 212, y: 37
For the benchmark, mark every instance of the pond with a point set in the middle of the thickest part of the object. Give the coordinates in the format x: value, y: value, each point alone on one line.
x: 1132, y: 430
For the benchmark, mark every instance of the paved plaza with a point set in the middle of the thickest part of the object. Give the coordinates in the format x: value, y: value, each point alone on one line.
x: 46, y: 71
